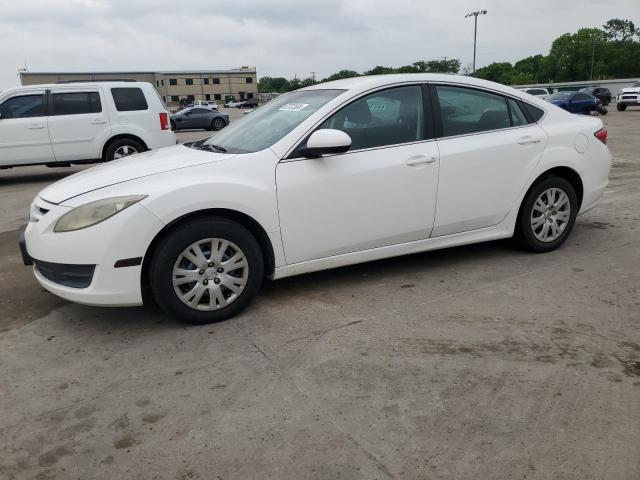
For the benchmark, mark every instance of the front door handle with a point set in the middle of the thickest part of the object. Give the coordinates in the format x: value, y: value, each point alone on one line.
x: 35, y: 127
x: 528, y: 140
x: 98, y: 122
x: 420, y: 160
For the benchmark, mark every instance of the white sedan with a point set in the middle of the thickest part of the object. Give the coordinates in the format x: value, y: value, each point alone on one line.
x: 330, y: 175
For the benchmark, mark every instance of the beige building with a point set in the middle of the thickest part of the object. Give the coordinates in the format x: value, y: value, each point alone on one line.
x: 173, y: 86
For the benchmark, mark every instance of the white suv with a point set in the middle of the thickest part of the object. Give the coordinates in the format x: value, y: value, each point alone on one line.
x: 67, y: 123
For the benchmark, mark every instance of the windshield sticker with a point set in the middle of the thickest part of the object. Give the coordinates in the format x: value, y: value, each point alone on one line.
x: 293, y: 107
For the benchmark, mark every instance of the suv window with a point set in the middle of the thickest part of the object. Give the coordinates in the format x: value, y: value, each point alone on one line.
x: 129, y: 99
x: 518, y: 117
x: 23, y: 106
x: 464, y: 110
x: 536, y: 91
x: 386, y: 117
x: 76, y: 103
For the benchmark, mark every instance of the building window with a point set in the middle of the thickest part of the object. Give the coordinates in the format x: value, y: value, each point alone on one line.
x: 217, y: 96
x: 249, y: 80
x: 174, y: 98
x: 173, y: 81
x: 206, y: 81
x: 164, y: 99
x: 157, y: 83
x: 216, y: 81
x: 190, y: 98
x: 188, y: 81
x: 207, y: 96
x: 162, y: 82
x: 249, y: 95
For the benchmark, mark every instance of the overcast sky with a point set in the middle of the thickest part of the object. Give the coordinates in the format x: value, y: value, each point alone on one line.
x: 281, y: 37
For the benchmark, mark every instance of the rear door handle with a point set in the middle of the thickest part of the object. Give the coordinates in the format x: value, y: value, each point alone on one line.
x: 35, y: 127
x: 98, y: 122
x: 420, y: 160
x: 528, y: 140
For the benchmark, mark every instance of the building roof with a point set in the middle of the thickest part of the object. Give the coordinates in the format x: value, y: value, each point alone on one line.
x: 122, y: 72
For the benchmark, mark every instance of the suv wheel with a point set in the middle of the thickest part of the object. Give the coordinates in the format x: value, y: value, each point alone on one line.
x: 122, y: 148
x: 206, y: 270
x: 621, y: 107
x: 547, y: 215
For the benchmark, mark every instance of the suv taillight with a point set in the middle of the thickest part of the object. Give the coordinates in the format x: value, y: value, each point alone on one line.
x: 164, y: 121
x: 602, y: 135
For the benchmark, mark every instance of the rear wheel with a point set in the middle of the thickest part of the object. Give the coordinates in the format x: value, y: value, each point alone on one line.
x: 621, y: 107
x: 547, y: 215
x: 206, y: 270
x: 173, y: 125
x: 218, y: 124
x: 122, y: 148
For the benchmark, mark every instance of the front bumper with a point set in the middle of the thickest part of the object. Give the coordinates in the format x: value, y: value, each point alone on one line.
x: 81, y: 266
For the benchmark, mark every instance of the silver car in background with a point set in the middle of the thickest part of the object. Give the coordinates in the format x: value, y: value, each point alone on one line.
x: 199, y: 117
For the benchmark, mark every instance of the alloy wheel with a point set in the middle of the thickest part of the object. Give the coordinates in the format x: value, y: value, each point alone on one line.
x: 124, y: 151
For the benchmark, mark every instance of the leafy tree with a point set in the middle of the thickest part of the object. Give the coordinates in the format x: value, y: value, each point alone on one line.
x: 341, y: 74
x: 620, y: 30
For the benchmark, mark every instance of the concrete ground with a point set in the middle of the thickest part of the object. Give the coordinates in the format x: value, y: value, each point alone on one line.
x: 479, y: 362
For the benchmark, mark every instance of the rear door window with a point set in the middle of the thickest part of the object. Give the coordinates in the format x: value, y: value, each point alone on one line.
x: 129, y: 99
x: 24, y: 106
x: 465, y: 110
x: 535, y: 113
x: 518, y: 117
x: 76, y: 103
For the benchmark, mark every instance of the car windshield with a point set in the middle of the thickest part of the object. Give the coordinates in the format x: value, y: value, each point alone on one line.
x: 588, y: 90
x: 271, y: 122
x: 561, y: 96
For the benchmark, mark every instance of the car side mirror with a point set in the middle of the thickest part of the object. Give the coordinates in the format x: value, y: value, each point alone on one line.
x: 326, y: 141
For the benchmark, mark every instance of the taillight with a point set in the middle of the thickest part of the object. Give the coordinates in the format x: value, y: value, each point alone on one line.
x: 164, y: 121
x: 602, y: 135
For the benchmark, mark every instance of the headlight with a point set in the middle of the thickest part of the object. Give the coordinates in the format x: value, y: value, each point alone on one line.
x: 94, y: 212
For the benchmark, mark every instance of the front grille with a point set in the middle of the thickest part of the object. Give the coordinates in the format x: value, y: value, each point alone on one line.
x: 74, y: 276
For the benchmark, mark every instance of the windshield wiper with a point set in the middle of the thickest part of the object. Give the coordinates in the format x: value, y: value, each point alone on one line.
x: 210, y: 146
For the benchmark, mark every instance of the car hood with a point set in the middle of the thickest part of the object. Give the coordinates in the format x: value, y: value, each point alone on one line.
x: 630, y: 90
x: 129, y: 168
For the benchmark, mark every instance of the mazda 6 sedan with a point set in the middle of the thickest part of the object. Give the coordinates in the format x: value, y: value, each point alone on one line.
x: 329, y: 175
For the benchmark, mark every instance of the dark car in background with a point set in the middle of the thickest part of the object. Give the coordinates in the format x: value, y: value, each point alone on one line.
x: 601, y: 93
x: 577, y: 102
x: 199, y: 117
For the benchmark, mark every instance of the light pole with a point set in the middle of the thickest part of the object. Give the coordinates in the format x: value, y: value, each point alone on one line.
x: 475, y: 32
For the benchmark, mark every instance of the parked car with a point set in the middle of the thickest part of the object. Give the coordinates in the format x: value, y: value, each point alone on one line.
x: 248, y: 104
x: 61, y: 124
x: 601, y: 93
x: 577, y: 102
x: 330, y: 175
x: 629, y: 97
x: 541, y: 93
x: 232, y: 104
x: 199, y: 117
x: 206, y: 104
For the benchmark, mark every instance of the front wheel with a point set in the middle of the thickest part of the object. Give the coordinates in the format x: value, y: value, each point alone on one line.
x: 206, y: 270
x: 547, y: 215
x: 621, y: 107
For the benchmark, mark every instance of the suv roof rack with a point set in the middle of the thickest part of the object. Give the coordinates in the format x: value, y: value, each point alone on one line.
x: 101, y: 80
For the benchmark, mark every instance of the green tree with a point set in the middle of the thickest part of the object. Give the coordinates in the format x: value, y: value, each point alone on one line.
x: 341, y: 74
x: 500, y: 72
x: 620, y: 30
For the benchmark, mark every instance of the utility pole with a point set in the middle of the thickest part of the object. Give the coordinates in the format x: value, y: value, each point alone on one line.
x: 593, y: 57
x: 313, y: 78
x: 475, y: 33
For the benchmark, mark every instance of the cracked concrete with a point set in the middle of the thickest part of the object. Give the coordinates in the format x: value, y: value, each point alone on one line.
x: 469, y: 363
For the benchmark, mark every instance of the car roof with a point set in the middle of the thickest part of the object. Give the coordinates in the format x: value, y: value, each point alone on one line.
x: 372, y: 81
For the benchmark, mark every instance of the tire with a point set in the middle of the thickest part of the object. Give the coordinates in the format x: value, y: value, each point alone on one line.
x: 621, y: 107
x: 218, y: 124
x: 122, y: 148
x: 173, y: 126
x: 209, y: 282
x: 528, y: 236
x: 602, y: 110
